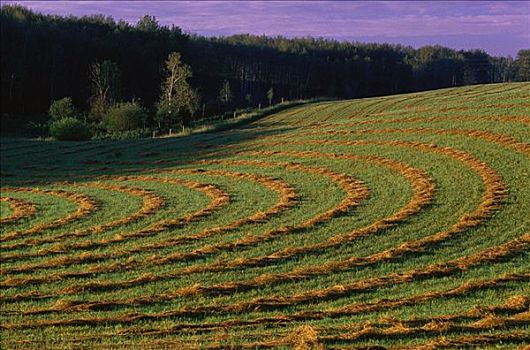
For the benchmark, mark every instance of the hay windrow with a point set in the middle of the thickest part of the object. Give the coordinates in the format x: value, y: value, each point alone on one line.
x: 218, y: 198
x: 21, y: 209
x: 495, y: 192
x: 287, y: 199
x: 151, y: 204
x: 85, y: 207
x: 442, y: 267
x: 355, y: 193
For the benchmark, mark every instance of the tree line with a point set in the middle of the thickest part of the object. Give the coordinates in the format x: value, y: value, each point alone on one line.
x: 174, y: 77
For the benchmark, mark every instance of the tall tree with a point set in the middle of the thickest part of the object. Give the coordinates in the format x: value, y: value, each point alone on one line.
x: 46, y: 57
x: 105, y: 80
x: 523, y: 61
x: 270, y: 95
x: 148, y: 24
x: 225, y: 93
x: 177, y: 96
x: 248, y: 99
x: 477, y: 67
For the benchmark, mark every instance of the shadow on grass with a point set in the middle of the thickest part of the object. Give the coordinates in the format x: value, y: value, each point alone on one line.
x: 33, y: 162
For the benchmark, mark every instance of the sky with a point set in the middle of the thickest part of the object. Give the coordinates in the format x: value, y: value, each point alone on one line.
x: 499, y: 27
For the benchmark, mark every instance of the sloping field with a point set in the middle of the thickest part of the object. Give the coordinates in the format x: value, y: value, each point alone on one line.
x: 400, y: 222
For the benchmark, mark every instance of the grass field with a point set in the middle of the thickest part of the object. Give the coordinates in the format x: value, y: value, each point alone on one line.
x: 399, y: 222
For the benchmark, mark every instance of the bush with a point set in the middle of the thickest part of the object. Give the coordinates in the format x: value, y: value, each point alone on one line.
x: 63, y: 108
x: 122, y: 135
x: 69, y: 129
x: 124, y: 117
x: 98, y: 109
x: 166, y: 116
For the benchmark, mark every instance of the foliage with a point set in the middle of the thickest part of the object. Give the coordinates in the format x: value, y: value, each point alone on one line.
x: 122, y: 135
x: 298, y: 68
x: 225, y: 93
x: 148, y: 24
x: 69, y: 129
x: 98, y: 108
x: 124, y: 116
x: 105, y: 84
x: 270, y: 95
x: 177, y: 96
x: 523, y: 62
x: 167, y: 115
x: 63, y: 108
x: 248, y: 99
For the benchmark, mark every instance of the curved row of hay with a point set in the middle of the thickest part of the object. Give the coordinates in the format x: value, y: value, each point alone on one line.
x: 395, y: 221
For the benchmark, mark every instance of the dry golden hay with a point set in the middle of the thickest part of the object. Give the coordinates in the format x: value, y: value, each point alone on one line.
x: 287, y: 199
x: 261, y: 280
x: 218, y: 199
x: 513, y: 119
x: 442, y: 331
x: 304, y: 338
x: 85, y: 207
x: 504, y: 140
x: 355, y: 193
x: 151, y: 204
x: 20, y: 209
x: 499, y: 252
x: 406, y: 110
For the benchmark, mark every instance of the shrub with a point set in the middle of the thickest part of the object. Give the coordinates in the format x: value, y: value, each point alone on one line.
x: 124, y: 117
x: 122, y: 135
x: 63, y: 108
x: 98, y: 109
x: 166, y: 116
x: 69, y: 129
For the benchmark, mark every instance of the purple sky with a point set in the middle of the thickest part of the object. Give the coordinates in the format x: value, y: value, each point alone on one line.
x: 499, y: 27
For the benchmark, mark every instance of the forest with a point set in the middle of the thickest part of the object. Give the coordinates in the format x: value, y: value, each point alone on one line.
x: 46, y: 58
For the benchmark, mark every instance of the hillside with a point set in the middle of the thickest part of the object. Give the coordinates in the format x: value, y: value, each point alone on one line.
x: 397, y: 221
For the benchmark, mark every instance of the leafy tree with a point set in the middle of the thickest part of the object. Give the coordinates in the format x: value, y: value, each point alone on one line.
x: 61, y: 109
x: 270, y: 95
x: 225, y: 93
x: 148, y: 24
x: 105, y: 78
x: 105, y: 83
x: 177, y: 95
x: 69, y: 129
x: 124, y: 116
x: 523, y: 61
x: 297, y: 68
x: 248, y: 99
x: 477, y: 67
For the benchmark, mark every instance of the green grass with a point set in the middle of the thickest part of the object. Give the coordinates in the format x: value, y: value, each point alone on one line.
x: 457, y: 137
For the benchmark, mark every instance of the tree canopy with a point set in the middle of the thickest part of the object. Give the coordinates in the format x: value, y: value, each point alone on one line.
x: 45, y: 58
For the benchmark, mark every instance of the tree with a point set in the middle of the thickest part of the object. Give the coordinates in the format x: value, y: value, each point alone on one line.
x: 477, y: 67
x: 105, y: 83
x: 225, y: 93
x: 296, y: 68
x: 61, y: 109
x: 69, y: 129
x: 148, y: 24
x: 270, y: 95
x: 523, y: 61
x: 177, y: 95
x: 125, y: 116
x: 248, y: 99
